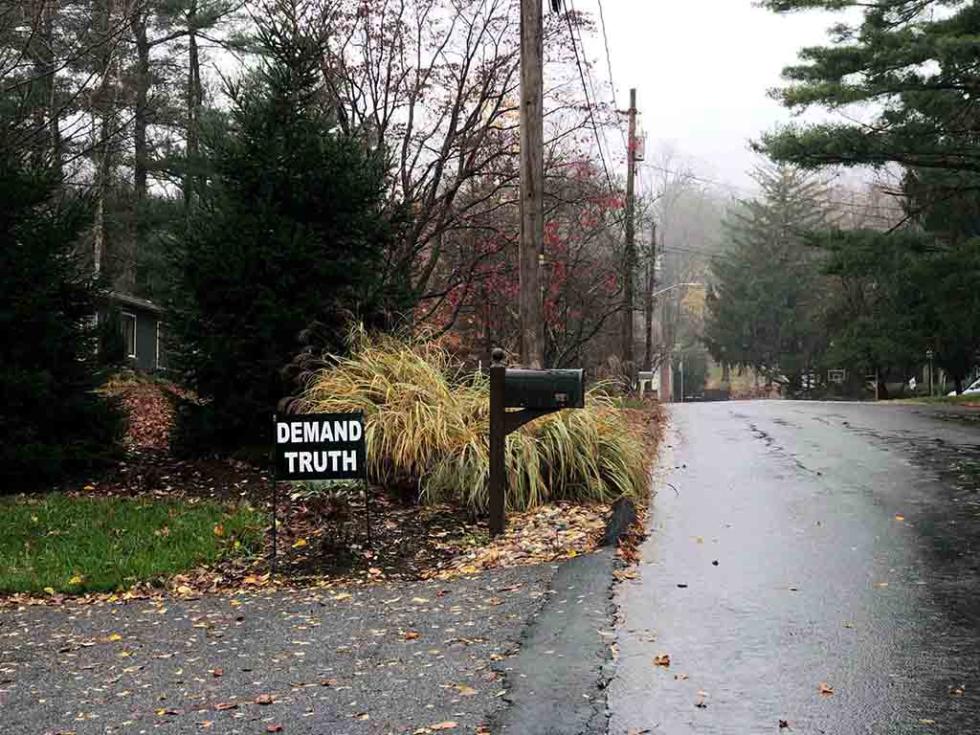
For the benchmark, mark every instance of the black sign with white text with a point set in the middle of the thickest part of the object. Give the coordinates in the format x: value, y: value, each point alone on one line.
x: 324, y: 446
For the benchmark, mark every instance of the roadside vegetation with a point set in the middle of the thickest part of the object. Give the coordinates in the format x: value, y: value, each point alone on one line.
x: 428, y: 419
x: 59, y: 543
x: 816, y: 294
x: 262, y: 212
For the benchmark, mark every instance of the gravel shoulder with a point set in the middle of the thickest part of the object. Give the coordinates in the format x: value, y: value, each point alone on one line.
x: 392, y: 658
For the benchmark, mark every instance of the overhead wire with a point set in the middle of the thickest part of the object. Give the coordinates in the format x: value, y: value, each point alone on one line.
x: 609, y: 68
x: 852, y: 207
x: 588, y: 100
x: 592, y: 83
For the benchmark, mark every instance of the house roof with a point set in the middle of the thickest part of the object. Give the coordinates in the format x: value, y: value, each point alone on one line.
x: 134, y: 301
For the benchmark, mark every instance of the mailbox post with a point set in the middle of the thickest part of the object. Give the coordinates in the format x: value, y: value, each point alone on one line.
x: 498, y: 443
x: 537, y: 393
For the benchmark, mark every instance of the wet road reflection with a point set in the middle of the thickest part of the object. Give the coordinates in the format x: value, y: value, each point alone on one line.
x: 802, y: 546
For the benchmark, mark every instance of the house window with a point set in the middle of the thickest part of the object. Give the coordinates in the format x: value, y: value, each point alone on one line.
x: 157, y: 362
x: 127, y: 322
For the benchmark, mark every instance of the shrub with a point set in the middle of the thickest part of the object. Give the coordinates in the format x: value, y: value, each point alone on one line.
x: 289, y: 231
x: 52, y: 422
x: 427, y: 423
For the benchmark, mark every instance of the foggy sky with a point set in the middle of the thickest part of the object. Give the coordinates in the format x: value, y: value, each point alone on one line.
x: 702, y: 69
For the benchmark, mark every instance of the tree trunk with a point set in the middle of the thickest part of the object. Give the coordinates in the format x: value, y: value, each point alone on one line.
x: 141, y: 112
x: 105, y: 107
x: 194, y: 101
x: 46, y: 133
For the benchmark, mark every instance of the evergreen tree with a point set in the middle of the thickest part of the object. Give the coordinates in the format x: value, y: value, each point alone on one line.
x: 51, y: 421
x: 915, y: 60
x: 287, y: 232
x: 764, y: 309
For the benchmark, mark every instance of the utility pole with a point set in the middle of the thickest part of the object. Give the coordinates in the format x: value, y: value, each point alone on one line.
x: 629, y: 261
x: 651, y: 286
x: 532, y: 184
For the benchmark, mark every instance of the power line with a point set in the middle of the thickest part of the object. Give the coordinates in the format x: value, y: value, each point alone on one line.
x: 588, y: 74
x: 852, y: 207
x: 612, y: 78
x: 588, y: 67
x: 588, y: 101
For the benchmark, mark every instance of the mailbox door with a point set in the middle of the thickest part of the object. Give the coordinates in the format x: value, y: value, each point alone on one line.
x: 544, y: 389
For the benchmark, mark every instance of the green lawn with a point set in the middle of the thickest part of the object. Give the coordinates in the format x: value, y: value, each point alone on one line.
x: 73, y: 544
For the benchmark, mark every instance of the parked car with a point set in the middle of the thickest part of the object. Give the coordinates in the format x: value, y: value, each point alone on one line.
x: 974, y: 387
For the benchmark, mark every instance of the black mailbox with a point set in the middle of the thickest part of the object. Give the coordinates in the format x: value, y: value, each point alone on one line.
x: 537, y: 393
x: 544, y: 389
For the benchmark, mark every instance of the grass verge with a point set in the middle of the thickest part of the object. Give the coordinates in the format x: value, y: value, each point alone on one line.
x: 60, y: 543
x: 969, y: 400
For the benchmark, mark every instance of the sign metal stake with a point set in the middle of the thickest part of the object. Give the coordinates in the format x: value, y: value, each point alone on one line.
x: 367, y: 504
x: 275, y: 507
x: 311, y: 447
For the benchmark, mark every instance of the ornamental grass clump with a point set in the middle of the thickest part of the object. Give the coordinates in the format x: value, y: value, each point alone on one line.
x: 427, y: 422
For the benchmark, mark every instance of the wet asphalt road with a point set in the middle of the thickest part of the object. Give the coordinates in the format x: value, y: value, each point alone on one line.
x: 795, y: 544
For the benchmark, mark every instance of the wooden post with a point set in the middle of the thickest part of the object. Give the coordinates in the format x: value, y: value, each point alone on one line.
x: 498, y: 438
x: 532, y: 184
x: 629, y: 260
x: 651, y: 286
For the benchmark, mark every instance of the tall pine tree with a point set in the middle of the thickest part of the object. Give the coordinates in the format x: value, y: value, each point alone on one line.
x: 287, y: 231
x: 764, y: 309
x: 915, y: 61
x: 51, y: 420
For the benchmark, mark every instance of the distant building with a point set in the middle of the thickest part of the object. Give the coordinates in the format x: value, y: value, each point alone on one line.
x: 141, y: 322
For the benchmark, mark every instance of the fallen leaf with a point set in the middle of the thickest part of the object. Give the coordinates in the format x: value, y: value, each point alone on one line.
x: 264, y: 699
x: 464, y: 690
x: 410, y: 635
x: 273, y: 728
x: 113, y: 637
x: 899, y: 517
x: 825, y: 689
x: 222, y: 706
x: 661, y: 659
x: 328, y: 682
x: 217, y: 672
x: 300, y: 543
x: 76, y: 579
x: 447, y: 725
x: 219, y: 530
